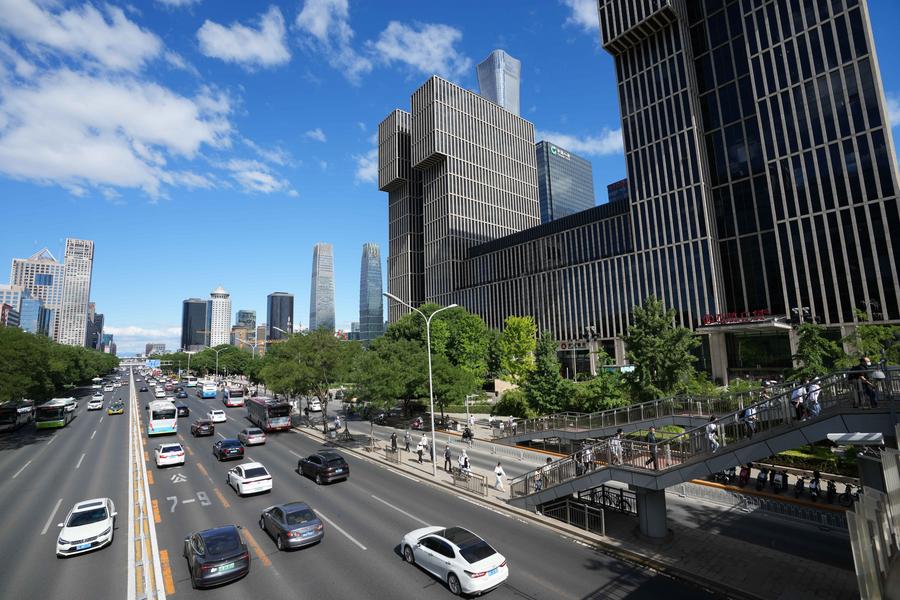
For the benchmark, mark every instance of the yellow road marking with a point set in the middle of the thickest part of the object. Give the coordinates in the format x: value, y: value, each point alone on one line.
x: 156, y: 517
x: 146, y: 456
x: 166, y: 571
x: 188, y: 448
x: 222, y: 498
x: 150, y: 477
x: 257, y: 549
x: 204, y: 471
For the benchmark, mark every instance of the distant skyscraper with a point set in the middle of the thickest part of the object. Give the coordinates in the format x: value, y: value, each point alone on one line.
x: 219, y: 317
x: 13, y: 295
x: 321, y: 297
x: 246, y: 318
x: 498, y: 80
x: 9, y: 317
x: 31, y: 313
x: 194, y: 334
x: 280, y: 314
x: 565, y: 182
x: 617, y: 191
x: 78, y: 263
x: 371, y: 303
x: 92, y: 335
x: 42, y: 275
x: 152, y: 348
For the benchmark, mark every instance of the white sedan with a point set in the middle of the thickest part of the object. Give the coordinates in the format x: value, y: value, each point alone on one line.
x: 95, y: 403
x: 88, y: 526
x: 108, y: 387
x: 467, y: 563
x: 217, y: 416
x: 249, y: 478
x: 159, y: 393
x: 169, y: 454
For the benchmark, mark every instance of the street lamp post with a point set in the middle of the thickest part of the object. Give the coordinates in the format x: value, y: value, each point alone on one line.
x: 430, y: 382
x: 217, y: 360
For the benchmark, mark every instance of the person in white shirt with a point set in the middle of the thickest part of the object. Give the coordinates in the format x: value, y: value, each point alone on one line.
x: 615, y: 444
x: 499, y: 476
x: 712, y: 430
x: 812, y: 398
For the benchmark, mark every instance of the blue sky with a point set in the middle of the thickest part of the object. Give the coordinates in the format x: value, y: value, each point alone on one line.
x: 203, y: 143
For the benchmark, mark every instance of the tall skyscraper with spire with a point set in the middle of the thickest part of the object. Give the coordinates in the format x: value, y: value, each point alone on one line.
x: 73, y: 312
x: 371, y: 303
x: 498, y: 80
x: 321, y: 294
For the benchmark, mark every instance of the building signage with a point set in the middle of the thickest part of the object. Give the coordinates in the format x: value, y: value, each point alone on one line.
x: 733, y: 318
x: 573, y: 345
x: 559, y: 152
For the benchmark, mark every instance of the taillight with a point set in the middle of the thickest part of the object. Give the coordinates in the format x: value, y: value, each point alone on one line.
x: 503, y: 564
x: 475, y: 575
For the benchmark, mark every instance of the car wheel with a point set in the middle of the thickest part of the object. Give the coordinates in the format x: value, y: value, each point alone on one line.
x: 408, y: 555
x: 280, y: 543
x: 453, y: 584
x: 318, y: 479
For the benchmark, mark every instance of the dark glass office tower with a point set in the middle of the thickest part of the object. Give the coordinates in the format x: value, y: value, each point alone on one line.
x: 246, y: 318
x: 280, y: 314
x: 371, y: 303
x: 321, y: 294
x: 565, y: 182
x: 194, y: 330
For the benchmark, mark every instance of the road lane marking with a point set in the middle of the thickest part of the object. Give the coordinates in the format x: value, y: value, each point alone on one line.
x: 93, y: 434
x: 219, y: 433
x: 222, y: 497
x: 204, y: 471
x: 101, y: 419
x: 493, y: 510
x: 168, y: 581
x: 25, y: 466
x: 401, y: 511
x: 335, y: 525
x: 188, y: 448
x: 51, y: 441
x: 295, y: 454
x: 188, y: 500
x: 50, y: 518
x: 257, y: 549
x: 146, y: 456
x: 150, y: 477
x: 79, y: 460
x: 156, y: 516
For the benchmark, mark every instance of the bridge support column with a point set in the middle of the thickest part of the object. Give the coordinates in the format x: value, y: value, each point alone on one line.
x: 651, y: 510
x: 619, y: 346
x: 718, y: 356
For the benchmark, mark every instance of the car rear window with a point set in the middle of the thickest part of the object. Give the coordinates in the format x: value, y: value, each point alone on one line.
x: 221, y: 543
x: 300, y: 516
x: 335, y: 462
x: 171, y: 449
x: 255, y: 472
x: 254, y: 431
x: 231, y: 443
x: 477, y: 551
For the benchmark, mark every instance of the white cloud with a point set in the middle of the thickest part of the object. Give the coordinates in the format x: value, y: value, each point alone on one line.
x: 608, y: 142
x: 361, y: 125
x: 277, y: 156
x: 136, y: 331
x: 893, y: 108
x: 110, y: 39
x: 328, y: 24
x: 367, y: 166
x: 256, y: 177
x: 246, y: 46
x: 179, y: 3
x: 428, y: 48
x: 316, y: 134
x: 178, y: 62
x: 120, y: 132
x: 584, y: 14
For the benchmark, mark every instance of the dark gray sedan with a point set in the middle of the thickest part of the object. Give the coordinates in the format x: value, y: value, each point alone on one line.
x: 216, y: 556
x: 292, y: 525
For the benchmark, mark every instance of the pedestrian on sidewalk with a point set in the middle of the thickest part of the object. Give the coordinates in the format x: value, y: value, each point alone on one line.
x: 419, y: 450
x: 424, y: 443
x: 589, y: 458
x: 748, y: 417
x: 651, y: 439
x: 812, y: 398
x: 407, y: 438
x: 464, y: 462
x: 712, y: 431
x: 615, y: 445
x: 337, y: 423
x: 447, y: 458
x: 393, y: 441
x: 797, y: 396
x: 499, y: 477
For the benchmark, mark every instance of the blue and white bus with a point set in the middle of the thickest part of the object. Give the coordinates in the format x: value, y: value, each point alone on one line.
x: 207, y: 390
x: 163, y: 418
x: 190, y: 381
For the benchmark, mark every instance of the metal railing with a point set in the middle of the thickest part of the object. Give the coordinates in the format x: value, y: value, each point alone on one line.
x: 470, y: 481
x: 611, y: 497
x: 393, y: 456
x: 837, y: 392
x: 689, y: 406
x: 578, y: 514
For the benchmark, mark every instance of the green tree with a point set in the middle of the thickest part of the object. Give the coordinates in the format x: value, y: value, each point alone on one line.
x: 815, y: 354
x: 544, y: 387
x: 513, y: 403
x: 517, y: 345
x: 606, y: 390
x: 392, y: 370
x: 660, y: 351
x: 494, y: 355
x: 451, y: 383
x: 871, y: 340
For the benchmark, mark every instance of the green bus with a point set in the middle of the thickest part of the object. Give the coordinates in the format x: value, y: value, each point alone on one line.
x: 55, y: 413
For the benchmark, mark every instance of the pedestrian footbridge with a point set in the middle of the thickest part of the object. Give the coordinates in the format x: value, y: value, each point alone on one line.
x: 649, y: 468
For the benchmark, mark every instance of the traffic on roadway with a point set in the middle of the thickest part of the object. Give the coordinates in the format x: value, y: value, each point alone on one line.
x: 261, y: 514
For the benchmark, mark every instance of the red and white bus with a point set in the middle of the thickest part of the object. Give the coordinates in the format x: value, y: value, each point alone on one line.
x: 269, y: 414
x: 234, y: 395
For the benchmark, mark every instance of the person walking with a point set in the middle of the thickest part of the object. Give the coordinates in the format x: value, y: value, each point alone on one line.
x: 464, y: 462
x: 499, y: 476
x: 812, y: 398
x: 424, y: 443
x: 447, y: 458
x: 712, y: 431
x: 393, y: 441
x: 863, y: 386
x: 748, y: 417
x: 407, y: 438
x: 420, y: 448
x: 589, y: 458
x: 615, y: 445
x: 797, y: 395
x: 651, y: 439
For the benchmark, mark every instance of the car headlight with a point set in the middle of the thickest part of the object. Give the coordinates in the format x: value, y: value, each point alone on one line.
x: 62, y: 541
x: 107, y: 531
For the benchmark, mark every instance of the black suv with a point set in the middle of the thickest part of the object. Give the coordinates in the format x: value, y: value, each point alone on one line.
x: 228, y: 449
x: 202, y: 427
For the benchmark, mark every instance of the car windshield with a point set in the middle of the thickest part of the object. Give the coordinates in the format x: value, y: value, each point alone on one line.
x: 221, y: 543
x: 86, y: 517
x: 476, y: 551
x: 299, y: 516
x: 171, y: 449
x: 255, y: 472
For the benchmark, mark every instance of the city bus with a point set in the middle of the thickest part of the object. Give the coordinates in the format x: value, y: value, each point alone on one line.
x: 269, y: 414
x: 234, y: 395
x: 15, y: 413
x: 207, y: 390
x: 163, y: 418
x: 97, y: 383
x: 190, y: 381
x: 55, y: 413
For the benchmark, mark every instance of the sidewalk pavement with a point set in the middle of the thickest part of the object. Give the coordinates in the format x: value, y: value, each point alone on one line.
x: 704, y: 556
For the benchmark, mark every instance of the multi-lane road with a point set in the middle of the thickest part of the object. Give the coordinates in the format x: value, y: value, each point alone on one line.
x: 43, y: 474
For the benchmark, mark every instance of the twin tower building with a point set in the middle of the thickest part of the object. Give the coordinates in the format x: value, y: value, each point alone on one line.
x: 762, y: 188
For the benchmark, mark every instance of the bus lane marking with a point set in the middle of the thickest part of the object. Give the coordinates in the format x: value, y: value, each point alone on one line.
x: 168, y: 581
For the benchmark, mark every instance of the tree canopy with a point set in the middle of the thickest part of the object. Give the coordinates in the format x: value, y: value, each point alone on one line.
x: 517, y: 345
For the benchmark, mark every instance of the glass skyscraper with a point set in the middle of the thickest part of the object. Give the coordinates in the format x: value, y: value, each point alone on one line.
x: 321, y: 295
x: 280, y: 314
x: 246, y: 318
x: 565, y: 182
x: 73, y: 311
x: 194, y: 331
x: 371, y: 303
x: 498, y: 80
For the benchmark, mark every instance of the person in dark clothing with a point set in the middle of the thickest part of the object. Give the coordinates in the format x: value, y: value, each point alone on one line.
x: 651, y: 439
x: 447, y: 456
x: 406, y: 439
x: 863, y: 387
x: 394, y: 441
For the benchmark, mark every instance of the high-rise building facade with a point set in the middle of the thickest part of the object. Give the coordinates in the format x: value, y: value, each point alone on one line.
x: 565, y: 182
x: 31, y: 315
x: 246, y: 318
x: 153, y: 348
x: 280, y: 314
x: 471, y: 174
x: 78, y: 263
x: 42, y: 275
x: 13, y: 294
x: 617, y: 191
x: 498, y: 80
x: 371, y: 302
x: 9, y: 316
x: 219, y: 317
x: 194, y: 331
x: 321, y: 296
